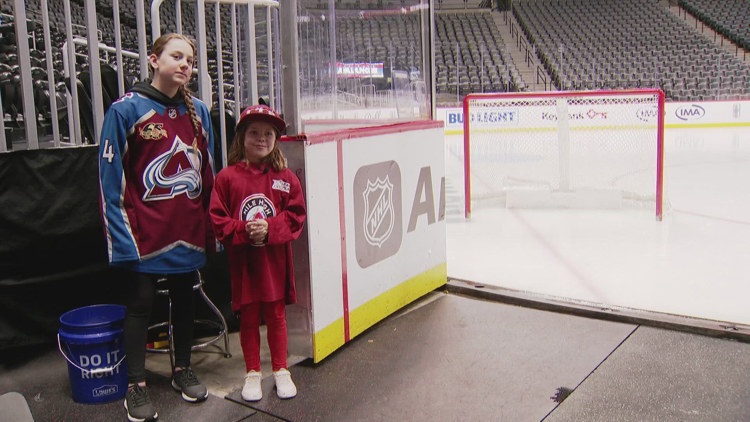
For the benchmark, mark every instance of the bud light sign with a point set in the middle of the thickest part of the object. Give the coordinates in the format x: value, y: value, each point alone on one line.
x: 455, y: 117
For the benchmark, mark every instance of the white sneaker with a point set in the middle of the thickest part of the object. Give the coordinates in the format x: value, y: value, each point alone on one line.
x: 285, y: 387
x: 252, y: 391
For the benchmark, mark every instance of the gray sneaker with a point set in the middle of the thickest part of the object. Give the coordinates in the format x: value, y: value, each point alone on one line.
x: 138, y: 404
x: 191, y: 388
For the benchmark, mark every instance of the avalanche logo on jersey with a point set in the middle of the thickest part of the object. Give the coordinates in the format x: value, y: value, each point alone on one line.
x: 173, y: 173
x: 255, y: 207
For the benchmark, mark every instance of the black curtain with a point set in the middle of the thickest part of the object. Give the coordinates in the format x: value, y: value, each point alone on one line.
x: 52, y: 248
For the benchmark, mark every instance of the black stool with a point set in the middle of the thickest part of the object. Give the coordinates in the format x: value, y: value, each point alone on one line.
x: 220, y: 325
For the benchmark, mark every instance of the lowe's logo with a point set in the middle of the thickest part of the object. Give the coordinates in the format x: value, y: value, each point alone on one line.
x: 105, y: 390
x: 691, y: 112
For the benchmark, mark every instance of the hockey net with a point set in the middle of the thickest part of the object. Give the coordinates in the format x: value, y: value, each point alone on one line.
x: 590, y: 149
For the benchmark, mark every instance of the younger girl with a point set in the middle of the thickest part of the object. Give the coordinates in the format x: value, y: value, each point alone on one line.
x: 257, y: 208
x: 156, y: 175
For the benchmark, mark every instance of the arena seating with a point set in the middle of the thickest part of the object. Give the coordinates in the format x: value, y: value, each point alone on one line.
x: 729, y: 18
x: 88, y: 131
x: 614, y: 44
x: 9, y: 71
x: 470, y: 53
x: 581, y: 44
x: 11, y: 94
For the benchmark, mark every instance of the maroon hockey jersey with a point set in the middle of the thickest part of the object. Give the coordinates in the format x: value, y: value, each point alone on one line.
x: 154, y: 185
x: 259, y: 273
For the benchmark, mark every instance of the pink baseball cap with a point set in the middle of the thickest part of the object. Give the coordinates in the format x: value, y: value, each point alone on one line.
x: 263, y: 113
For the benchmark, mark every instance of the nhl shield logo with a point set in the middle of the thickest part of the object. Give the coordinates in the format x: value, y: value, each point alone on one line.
x: 379, y: 215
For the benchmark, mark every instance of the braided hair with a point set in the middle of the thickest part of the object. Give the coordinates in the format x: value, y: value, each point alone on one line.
x: 191, y: 111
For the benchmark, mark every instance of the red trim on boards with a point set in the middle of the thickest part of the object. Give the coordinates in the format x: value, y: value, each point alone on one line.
x: 363, y: 132
x: 292, y: 138
x: 660, y: 160
x: 467, y: 163
x: 342, y: 233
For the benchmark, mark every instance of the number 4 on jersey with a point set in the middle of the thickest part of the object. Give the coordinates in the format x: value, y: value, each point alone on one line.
x: 108, y: 154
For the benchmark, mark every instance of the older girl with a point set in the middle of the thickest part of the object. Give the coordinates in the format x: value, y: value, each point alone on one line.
x: 156, y: 176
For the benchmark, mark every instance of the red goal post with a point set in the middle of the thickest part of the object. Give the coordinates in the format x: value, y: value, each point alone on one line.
x: 607, y: 151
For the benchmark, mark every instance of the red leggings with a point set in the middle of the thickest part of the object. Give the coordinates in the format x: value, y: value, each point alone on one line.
x: 274, y: 313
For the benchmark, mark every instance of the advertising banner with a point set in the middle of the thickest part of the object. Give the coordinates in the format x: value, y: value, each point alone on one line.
x: 699, y: 114
x: 359, y: 70
x: 376, y: 225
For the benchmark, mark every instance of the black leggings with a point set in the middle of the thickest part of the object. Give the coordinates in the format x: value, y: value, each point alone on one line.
x: 139, y: 299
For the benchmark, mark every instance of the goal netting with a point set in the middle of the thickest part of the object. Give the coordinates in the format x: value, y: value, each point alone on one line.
x: 589, y: 149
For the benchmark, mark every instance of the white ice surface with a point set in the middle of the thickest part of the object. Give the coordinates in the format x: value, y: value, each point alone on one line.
x: 696, y: 262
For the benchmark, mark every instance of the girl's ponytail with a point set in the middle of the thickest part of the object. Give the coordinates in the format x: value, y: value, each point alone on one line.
x: 186, y: 94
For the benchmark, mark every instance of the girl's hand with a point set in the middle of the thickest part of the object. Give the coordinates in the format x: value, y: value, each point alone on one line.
x: 257, y: 230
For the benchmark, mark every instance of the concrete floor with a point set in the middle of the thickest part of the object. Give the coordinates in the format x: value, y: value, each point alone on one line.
x: 449, y: 357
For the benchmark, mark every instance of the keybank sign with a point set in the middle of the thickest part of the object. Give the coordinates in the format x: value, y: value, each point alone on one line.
x: 690, y: 112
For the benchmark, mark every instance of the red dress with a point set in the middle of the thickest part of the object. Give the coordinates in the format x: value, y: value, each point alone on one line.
x: 259, y: 273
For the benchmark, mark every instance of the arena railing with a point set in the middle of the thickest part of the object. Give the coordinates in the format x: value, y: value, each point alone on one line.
x: 69, y: 70
x: 244, y: 80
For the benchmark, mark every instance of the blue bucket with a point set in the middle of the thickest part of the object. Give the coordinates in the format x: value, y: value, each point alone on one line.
x: 90, y: 339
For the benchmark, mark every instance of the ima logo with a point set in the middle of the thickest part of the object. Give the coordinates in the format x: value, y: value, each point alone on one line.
x: 691, y: 112
x: 173, y: 173
x: 648, y: 113
x: 377, y: 212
